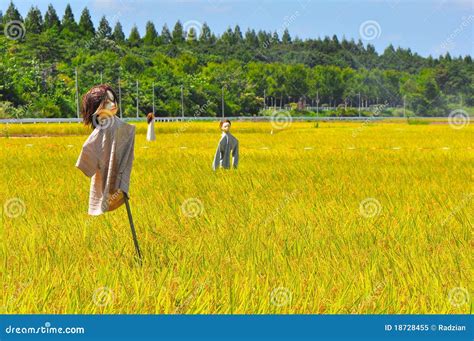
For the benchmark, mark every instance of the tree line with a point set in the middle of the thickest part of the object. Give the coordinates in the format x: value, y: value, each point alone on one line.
x: 39, y: 57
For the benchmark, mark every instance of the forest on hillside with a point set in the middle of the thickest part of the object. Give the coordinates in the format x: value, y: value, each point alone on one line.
x: 41, y: 52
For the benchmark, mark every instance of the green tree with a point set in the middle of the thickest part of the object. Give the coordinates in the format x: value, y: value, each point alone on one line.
x: 51, y: 19
x: 165, y: 35
x: 178, y: 33
x: 134, y: 39
x: 68, y: 22
x: 151, y: 36
x: 286, y: 38
x: 104, y: 30
x: 238, y: 38
x: 34, y: 21
x: 251, y: 38
x: 118, y: 34
x: 12, y: 14
x: 228, y: 37
x: 86, y: 27
x: 191, y: 35
x: 205, y: 36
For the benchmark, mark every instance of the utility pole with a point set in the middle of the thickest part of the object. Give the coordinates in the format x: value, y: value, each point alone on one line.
x: 359, y: 103
x: 77, y: 94
x: 222, y: 102
x: 317, y: 103
x: 153, y: 85
x: 264, y: 99
x: 404, y: 106
x: 137, y: 98
x: 182, y: 101
x: 120, y: 95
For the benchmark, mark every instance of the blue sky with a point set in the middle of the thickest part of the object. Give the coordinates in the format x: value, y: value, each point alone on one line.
x: 426, y: 26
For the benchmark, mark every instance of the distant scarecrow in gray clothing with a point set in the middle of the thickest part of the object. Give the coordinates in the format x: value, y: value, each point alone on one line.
x: 228, y: 144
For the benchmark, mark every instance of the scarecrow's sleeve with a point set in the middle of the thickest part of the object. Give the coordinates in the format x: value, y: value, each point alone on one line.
x: 88, y: 161
x: 235, y: 155
x: 218, y: 155
x: 127, y: 162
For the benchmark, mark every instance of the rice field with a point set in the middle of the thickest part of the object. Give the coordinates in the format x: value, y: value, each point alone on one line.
x: 333, y: 218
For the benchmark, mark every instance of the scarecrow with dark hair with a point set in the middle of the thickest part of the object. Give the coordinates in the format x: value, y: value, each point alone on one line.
x: 108, y: 153
x: 228, y: 145
x: 150, y: 134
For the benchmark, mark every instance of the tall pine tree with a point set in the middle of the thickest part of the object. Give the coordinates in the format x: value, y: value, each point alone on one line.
x: 150, y: 35
x: 165, y: 35
x: 104, y: 30
x: 205, y: 36
x: 86, y: 26
x: 68, y: 22
x: 286, y: 38
x: 51, y: 19
x: 178, y: 33
x: 134, y: 39
x: 34, y: 21
x: 118, y: 36
x: 12, y: 14
x: 191, y: 35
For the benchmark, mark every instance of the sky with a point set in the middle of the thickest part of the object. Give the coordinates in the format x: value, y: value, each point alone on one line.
x: 427, y: 27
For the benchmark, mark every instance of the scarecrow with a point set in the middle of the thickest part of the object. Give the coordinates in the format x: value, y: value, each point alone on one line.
x: 228, y: 144
x: 107, y: 155
x: 150, y: 134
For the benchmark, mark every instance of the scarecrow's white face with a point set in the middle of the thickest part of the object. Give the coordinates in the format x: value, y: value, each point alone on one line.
x: 110, y: 103
x: 225, y: 127
x: 109, y: 106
